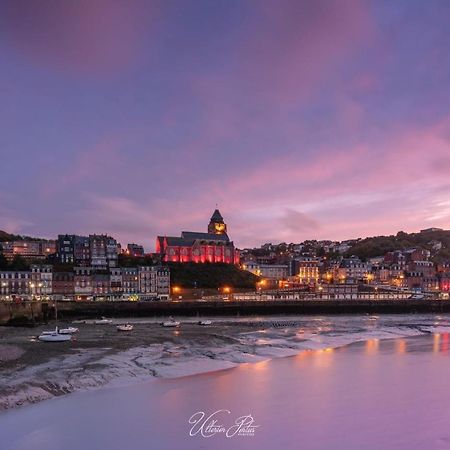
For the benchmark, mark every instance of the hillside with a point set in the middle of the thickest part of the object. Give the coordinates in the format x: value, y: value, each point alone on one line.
x: 190, y: 275
x: 379, y: 245
x: 5, y: 237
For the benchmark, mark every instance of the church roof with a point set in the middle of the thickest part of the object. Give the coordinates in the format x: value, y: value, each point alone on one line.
x: 188, y: 238
x: 176, y: 241
x: 216, y: 217
x: 204, y: 236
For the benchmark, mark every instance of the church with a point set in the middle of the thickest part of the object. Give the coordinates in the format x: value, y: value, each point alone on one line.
x: 214, y: 246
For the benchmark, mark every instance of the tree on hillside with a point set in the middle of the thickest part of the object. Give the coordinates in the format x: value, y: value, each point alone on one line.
x: 18, y: 263
x: 3, y: 262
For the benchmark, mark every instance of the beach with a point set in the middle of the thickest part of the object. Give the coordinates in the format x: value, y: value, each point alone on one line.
x: 32, y: 371
x: 313, y: 383
x: 389, y: 394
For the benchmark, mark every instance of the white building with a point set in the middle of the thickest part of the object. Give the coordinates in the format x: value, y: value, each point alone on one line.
x: 41, y: 280
x: 272, y: 271
x: 353, y: 269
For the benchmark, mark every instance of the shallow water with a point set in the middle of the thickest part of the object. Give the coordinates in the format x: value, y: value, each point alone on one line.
x: 33, y: 371
x: 377, y: 394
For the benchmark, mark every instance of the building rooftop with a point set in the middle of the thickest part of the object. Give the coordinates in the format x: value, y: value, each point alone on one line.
x: 217, y: 217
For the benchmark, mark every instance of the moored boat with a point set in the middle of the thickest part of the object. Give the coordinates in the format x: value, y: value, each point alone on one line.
x: 125, y: 327
x: 102, y: 321
x: 170, y: 323
x: 204, y: 322
x: 68, y: 330
x: 54, y: 336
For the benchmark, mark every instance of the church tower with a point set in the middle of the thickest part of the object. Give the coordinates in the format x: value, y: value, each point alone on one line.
x: 216, y: 224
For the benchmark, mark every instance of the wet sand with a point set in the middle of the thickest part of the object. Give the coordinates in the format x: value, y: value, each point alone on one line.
x: 372, y: 395
x: 32, y: 370
x: 99, y: 355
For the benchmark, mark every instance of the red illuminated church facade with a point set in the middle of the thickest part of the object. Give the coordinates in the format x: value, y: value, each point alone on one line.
x: 213, y: 246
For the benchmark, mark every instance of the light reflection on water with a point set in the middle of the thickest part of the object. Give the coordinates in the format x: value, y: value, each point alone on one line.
x: 437, y: 343
x: 400, y: 346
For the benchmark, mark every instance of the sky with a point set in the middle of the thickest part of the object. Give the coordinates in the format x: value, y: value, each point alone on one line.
x: 314, y: 119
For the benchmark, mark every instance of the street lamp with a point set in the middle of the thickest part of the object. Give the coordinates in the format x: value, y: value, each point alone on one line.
x: 320, y: 288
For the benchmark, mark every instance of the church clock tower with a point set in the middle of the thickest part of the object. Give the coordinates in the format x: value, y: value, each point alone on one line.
x: 216, y: 224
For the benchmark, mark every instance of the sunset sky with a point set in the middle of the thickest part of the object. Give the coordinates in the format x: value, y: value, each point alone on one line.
x: 300, y: 119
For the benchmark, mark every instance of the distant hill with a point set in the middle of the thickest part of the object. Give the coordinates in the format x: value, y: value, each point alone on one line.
x: 379, y: 245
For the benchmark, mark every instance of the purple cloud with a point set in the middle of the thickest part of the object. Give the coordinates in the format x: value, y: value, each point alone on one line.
x: 325, y: 119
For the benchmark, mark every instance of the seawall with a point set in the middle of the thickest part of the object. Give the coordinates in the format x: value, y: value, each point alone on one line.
x: 24, y: 313
x: 245, y: 308
x: 27, y: 313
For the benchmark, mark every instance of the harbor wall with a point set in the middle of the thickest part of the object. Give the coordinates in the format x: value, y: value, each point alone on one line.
x: 27, y: 313
x: 23, y: 313
x: 245, y: 308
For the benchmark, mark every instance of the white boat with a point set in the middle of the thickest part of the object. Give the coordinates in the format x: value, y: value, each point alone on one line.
x: 68, y: 330
x: 54, y: 336
x: 204, y: 322
x: 170, y: 323
x: 102, y: 321
x: 125, y: 327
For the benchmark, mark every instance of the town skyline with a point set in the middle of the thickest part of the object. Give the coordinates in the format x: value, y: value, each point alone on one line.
x: 151, y: 247
x: 300, y: 119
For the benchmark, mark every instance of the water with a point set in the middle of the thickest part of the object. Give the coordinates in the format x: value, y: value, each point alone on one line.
x: 376, y: 394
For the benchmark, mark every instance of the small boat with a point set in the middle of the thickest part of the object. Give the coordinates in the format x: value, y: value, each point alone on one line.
x: 125, y: 327
x: 170, y: 323
x: 68, y: 330
x: 204, y: 322
x: 102, y: 321
x: 54, y: 336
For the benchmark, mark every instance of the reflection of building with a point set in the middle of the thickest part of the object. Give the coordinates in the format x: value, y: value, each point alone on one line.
x: 214, y: 246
